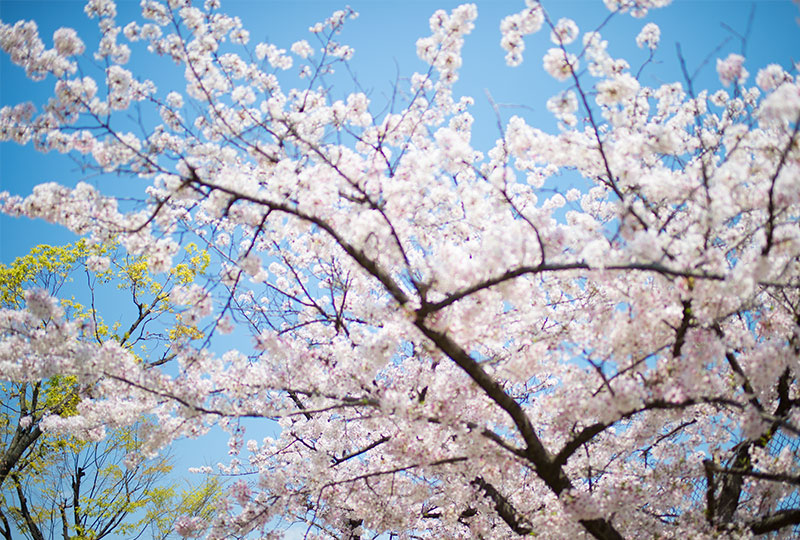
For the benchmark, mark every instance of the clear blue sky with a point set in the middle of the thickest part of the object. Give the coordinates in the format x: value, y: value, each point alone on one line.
x: 384, y: 40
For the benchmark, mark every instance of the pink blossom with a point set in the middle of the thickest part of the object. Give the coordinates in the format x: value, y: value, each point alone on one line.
x: 41, y: 305
x: 564, y: 32
x: 771, y: 77
x: 649, y: 36
x: 67, y: 42
x: 560, y: 64
x: 302, y: 49
x: 189, y: 527
x: 732, y: 69
x: 783, y: 104
x: 98, y: 264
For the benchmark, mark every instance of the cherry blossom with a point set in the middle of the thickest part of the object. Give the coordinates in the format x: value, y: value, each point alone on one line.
x: 649, y: 36
x: 514, y: 27
x: 564, y: 32
x: 732, y: 69
x: 560, y: 64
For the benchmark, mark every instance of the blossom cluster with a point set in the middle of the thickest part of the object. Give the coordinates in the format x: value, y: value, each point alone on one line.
x: 442, y: 49
x: 514, y: 27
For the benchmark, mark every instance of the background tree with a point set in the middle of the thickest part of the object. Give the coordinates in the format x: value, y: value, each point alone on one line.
x: 450, y: 346
x: 63, y: 486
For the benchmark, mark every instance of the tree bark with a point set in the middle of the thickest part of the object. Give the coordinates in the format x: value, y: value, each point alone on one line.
x: 23, y: 439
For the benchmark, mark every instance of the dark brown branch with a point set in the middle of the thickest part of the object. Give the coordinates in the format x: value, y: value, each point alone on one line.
x: 546, y: 468
x: 6, y: 526
x: 711, y: 487
x: 591, y: 431
x: 491, y: 435
x: 736, y: 367
x: 772, y: 477
x: 504, y: 508
x: 293, y: 395
x: 337, y: 461
x: 22, y: 440
x: 62, y: 508
x: 585, y: 435
x: 733, y: 480
x: 535, y: 451
x: 36, y: 534
x: 731, y: 491
x: 560, y: 267
x: 352, y: 525
x: 76, y: 495
x: 680, y: 333
x: 776, y: 521
x: 666, y: 436
x: 373, y: 474
x: 746, y: 386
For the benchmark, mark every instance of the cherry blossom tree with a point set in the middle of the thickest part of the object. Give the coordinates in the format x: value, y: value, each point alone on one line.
x: 449, y: 348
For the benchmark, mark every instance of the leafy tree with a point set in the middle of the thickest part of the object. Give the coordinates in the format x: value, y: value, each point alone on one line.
x: 85, y: 490
x: 593, y: 332
x: 72, y: 487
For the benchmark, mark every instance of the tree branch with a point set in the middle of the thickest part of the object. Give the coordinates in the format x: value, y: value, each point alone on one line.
x: 546, y: 468
x: 337, y: 461
x: 654, y: 267
x: 22, y: 440
x: 591, y: 431
x: 6, y: 526
x: 36, y: 534
x: 504, y: 508
x: 776, y: 521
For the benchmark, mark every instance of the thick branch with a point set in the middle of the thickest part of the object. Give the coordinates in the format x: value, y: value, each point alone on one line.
x: 6, y: 526
x: 504, y: 508
x: 731, y: 492
x: 680, y: 333
x: 733, y: 481
x: 548, y: 470
x: 711, y: 487
x: 23, y: 439
x: 591, y: 431
x: 76, y: 496
x: 62, y: 509
x: 776, y: 521
x: 535, y: 451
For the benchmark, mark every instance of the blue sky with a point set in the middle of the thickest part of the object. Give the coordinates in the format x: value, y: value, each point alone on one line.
x: 384, y: 40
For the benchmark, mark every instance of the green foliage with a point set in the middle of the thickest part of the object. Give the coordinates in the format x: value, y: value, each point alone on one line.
x: 196, y: 263
x: 194, y: 500
x: 60, y: 395
x: 51, y: 267
x: 90, y: 490
x: 45, y: 266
